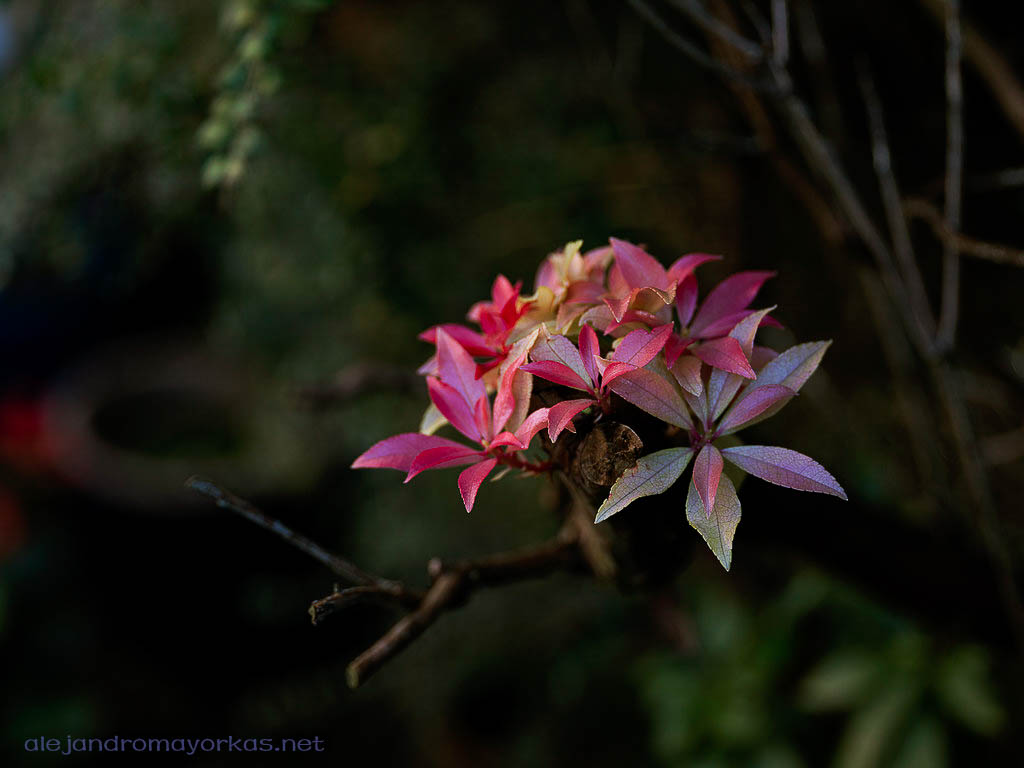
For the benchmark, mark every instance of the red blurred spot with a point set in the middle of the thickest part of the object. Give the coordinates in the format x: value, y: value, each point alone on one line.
x: 22, y: 439
x: 12, y: 525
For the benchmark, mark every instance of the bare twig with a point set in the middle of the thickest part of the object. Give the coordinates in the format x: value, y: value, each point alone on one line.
x: 340, y: 566
x: 898, y: 228
x: 683, y: 45
x: 452, y: 585
x: 990, y: 65
x: 950, y: 307
x: 917, y: 208
x: 343, y: 598
x: 780, y: 32
x: 695, y: 11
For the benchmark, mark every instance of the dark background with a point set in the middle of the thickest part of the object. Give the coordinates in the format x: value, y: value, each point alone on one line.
x: 207, y: 206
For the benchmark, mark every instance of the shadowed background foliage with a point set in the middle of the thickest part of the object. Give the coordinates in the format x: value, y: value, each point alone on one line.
x: 206, y: 206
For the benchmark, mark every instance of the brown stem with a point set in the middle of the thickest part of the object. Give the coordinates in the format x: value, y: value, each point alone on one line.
x: 453, y: 584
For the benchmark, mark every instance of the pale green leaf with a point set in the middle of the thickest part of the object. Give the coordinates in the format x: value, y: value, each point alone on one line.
x: 719, y: 528
x: 651, y: 475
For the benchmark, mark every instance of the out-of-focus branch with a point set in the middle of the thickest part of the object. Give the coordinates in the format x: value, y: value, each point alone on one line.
x: 898, y: 229
x: 918, y: 208
x: 339, y: 565
x: 950, y: 306
x: 990, y: 65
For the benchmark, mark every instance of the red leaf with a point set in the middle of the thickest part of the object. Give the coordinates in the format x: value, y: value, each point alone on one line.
x: 454, y: 408
x: 531, y: 425
x: 686, y: 299
x: 457, y: 369
x: 613, y: 370
x: 482, y: 419
x: 684, y: 266
x: 639, y: 268
x: 441, y: 458
x: 590, y: 349
x: 470, y: 340
x: 752, y: 405
x: 707, y: 470
x: 559, y: 349
x: 471, y: 479
x: 561, y: 414
x: 729, y: 296
x: 726, y: 354
x: 640, y: 347
x: 398, y: 451
x: 558, y: 373
x: 505, y: 401
x: 674, y: 347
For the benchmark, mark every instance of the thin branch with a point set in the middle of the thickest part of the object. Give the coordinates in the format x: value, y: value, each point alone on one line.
x: 696, y: 12
x: 950, y: 307
x: 990, y: 65
x: 780, y: 32
x: 452, y: 586
x: 683, y: 45
x: 917, y: 208
x: 340, y: 566
x: 891, y: 201
x: 343, y: 598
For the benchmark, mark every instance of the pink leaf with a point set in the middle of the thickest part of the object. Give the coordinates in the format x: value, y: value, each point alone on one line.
x: 639, y: 268
x: 674, y: 347
x: 729, y: 296
x: 640, y: 347
x: 505, y: 400
x: 794, y: 366
x: 613, y: 370
x: 752, y: 405
x: 398, y: 452
x: 646, y: 297
x: 482, y: 418
x: 686, y: 299
x: 559, y: 349
x: 470, y: 340
x: 761, y: 356
x: 651, y: 393
x: 457, y: 369
x: 471, y: 479
x: 556, y: 372
x: 454, y: 408
x: 784, y: 467
x: 687, y: 372
x: 684, y: 266
x: 441, y: 458
x: 707, y: 470
x: 533, y: 424
x: 589, y: 349
x: 560, y: 416
x: 745, y: 329
x: 726, y: 354
x: 506, y: 439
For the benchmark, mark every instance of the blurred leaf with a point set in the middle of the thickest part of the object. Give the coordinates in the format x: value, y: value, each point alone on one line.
x: 964, y: 688
x: 870, y: 732
x: 924, y: 747
x: 841, y: 681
